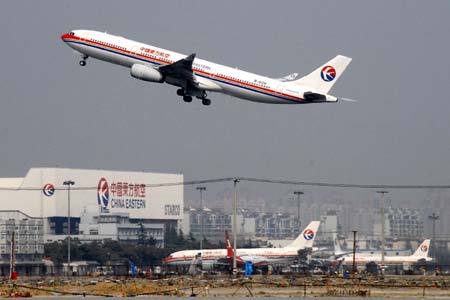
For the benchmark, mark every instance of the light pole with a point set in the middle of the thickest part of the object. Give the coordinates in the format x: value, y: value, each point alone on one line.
x: 201, y: 189
x: 235, y: 226
x: 68, y: 183
x: 434, y: 218
x: 382, y: 228
x: 298, y: 193
x: 354, y: 253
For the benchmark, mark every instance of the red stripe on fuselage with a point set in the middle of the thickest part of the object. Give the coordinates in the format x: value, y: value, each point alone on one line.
x: 168, y: 259
x: 67, y: 36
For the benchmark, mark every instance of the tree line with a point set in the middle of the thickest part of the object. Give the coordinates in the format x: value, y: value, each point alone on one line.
x: 143, y: 252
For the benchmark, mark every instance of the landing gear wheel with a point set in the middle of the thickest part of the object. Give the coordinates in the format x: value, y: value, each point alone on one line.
x: 187, y: 98
x: 206, y: 101
x: 180, y: 92
x: 83, y: 62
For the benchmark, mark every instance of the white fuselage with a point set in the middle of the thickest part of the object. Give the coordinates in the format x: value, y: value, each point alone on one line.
x: 364, y: 259
x: 213, y: 77
x: 269, y: 255
x: 256, y: 255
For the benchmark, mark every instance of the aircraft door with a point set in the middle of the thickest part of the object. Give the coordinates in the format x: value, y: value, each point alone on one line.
x: 135, y: 50
x: 212, y: 72
x: 280, y: 88
x: 85, y: 36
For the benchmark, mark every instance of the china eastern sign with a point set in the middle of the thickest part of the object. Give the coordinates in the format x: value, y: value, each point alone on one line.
x: 120, y: 194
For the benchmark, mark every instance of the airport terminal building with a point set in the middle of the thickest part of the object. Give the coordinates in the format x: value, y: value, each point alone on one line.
x: 103, y: 204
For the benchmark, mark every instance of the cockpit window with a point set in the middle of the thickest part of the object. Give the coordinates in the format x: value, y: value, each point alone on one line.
x: 71, y: 33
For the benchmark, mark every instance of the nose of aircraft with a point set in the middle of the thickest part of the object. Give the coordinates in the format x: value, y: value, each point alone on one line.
x: 64, y: 36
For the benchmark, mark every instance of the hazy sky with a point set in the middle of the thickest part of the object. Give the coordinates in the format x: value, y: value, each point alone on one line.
x: 56, y: 113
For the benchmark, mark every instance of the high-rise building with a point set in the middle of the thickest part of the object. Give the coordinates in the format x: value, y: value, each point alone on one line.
x: 28, y: 235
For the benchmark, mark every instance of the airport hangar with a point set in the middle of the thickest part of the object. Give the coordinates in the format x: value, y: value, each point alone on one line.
x: 103, y: 204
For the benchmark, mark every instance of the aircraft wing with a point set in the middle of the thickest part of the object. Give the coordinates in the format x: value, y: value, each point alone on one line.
x: 181, y: 69
x: 180, y: 74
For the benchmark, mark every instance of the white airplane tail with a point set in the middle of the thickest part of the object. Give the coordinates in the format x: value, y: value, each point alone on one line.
x: 422, y: 250
x: 337, y: 247
x: 324, y: 77
x: 306, y: 237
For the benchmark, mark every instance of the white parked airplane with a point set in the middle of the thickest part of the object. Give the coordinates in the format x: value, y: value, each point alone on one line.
x: 260, y: 255
x: 421, y: 254
x: 196, y: 77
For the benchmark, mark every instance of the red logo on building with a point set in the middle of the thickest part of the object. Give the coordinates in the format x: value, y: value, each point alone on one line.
x: 126, y: 189
x: 103, y: 193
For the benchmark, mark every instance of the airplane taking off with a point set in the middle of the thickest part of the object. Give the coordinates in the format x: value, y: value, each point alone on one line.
x: 196, y: 77
x: 260, y: 255
x: 420, y: 254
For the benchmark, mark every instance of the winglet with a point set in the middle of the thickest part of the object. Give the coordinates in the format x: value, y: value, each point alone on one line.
x: 188, y: 60
x: 179, y: 66
x: 190, y: 57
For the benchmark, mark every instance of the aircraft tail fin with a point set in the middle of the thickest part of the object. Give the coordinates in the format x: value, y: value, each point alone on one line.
x: 324, y: 77
x: 228, y: 245
x: 422, y: 250
x: 306, y: 237
x: 337, y: 246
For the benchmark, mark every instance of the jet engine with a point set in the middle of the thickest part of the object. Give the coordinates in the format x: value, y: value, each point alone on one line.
x: 146, y: 73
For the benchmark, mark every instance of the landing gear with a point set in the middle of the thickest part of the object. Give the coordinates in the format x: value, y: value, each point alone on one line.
x: 187, y: 96
x: 206, y: 101
x: 83, y: 62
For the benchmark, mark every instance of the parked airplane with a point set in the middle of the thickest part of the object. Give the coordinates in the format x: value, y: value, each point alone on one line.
x: 197, y: 77
x: 263, y: 255
x: 421, y: 254
x: 264, y: 259
x: 257, y: 260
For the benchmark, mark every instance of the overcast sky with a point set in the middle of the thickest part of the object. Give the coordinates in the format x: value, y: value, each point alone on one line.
x: 56, y: 113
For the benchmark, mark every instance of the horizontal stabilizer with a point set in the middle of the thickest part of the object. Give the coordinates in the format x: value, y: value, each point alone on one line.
x: 289, y: 77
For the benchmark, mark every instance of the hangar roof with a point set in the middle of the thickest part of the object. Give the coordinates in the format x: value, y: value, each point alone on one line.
x: 11, y: 182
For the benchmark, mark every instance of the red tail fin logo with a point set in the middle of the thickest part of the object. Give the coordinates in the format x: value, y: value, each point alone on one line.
x: 228, y: 244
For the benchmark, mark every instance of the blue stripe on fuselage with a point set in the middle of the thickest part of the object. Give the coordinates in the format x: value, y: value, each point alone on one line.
x: 202, y: 75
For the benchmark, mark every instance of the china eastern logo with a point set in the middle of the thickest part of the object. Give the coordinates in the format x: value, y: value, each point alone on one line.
x: 424, y: 248
x: 308, y: 234
x: 328, y: 73
x: 103, y: 193
x: 48, y: 190
x: 121, y: 195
